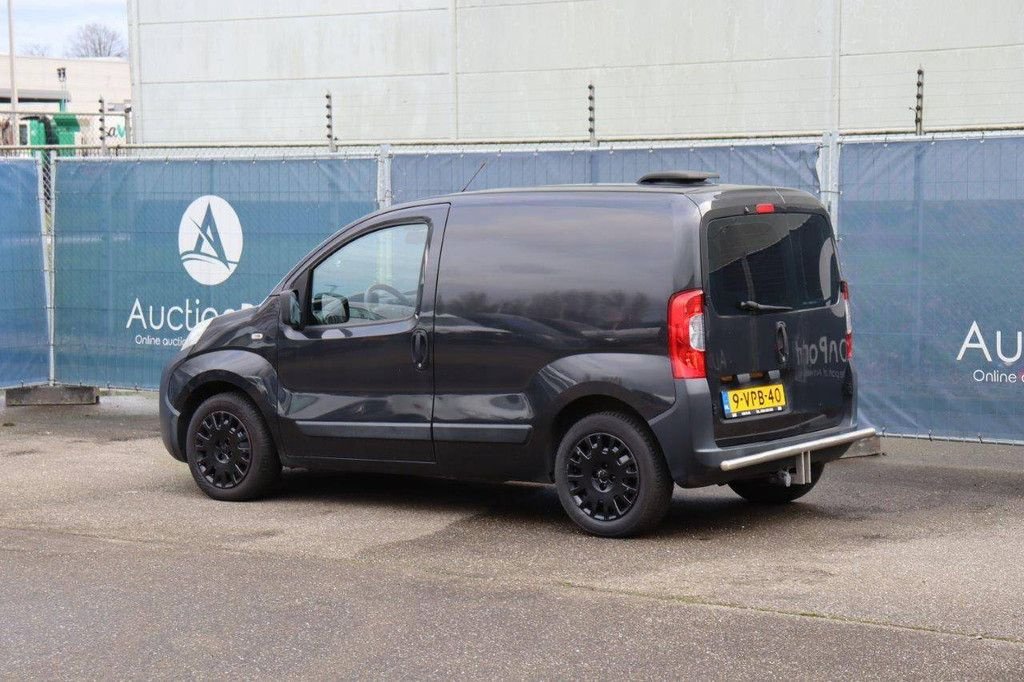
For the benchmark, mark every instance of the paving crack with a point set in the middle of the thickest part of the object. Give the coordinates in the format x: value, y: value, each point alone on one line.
x: 836, y: 618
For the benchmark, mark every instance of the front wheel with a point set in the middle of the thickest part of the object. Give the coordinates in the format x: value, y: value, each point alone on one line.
x: 765, y: 491
x: 611, y: 477
x: 230, y: 451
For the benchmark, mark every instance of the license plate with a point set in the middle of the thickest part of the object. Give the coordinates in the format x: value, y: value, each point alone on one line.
x: 744, y: 402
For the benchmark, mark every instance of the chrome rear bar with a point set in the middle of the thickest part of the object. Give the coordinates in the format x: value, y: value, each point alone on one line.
x: 796, y: 449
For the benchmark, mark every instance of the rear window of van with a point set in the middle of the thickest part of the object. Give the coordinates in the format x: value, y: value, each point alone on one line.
x: 779, y: 259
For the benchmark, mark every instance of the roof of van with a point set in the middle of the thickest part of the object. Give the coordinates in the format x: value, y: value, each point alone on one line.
x: 698, y: 192
x: 695, y: 188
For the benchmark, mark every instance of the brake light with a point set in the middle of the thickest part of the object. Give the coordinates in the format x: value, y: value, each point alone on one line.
x: 686, y: 334
x: 845, y: 288
x: 764, y: 208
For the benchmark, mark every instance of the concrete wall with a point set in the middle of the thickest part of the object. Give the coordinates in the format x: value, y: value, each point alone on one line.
x: 244, y: 70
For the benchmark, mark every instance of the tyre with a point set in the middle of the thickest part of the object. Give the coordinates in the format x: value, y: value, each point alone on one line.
x: 763, y: 491
x: 230, y: 451
x: 611, y: 477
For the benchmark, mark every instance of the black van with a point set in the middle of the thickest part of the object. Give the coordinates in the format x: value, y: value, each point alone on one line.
x: 611, y: 339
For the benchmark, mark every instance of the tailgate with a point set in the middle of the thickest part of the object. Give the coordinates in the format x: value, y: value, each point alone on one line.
x: 777, y: 361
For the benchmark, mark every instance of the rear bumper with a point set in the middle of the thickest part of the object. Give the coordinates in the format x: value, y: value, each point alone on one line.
x: 788, y: 451
x: 686, y: 435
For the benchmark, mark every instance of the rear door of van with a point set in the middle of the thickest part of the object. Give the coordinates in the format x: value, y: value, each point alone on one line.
x: 776, y: 323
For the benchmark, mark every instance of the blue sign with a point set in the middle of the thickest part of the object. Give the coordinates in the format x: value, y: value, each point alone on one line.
x: 931, y: 236
x: 146, y: 249
x: 416, y: 176
x: 24, y: 345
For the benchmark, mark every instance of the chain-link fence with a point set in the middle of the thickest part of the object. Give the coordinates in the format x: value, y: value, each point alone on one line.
x: 416, y: 175
x: 122, y: 278
x: 24, y: 328
x: 933, y: 232
x: 928, y: 228
x: 146, y: 248
x: 69, y: 133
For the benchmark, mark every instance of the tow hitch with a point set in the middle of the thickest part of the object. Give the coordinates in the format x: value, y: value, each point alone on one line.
x: 784, y: 478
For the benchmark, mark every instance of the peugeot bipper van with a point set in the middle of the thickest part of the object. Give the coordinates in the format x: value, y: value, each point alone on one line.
x: 615, y: 340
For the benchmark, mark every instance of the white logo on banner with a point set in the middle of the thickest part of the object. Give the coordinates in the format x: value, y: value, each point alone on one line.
x: 975, y: 341
x: 210, y: 240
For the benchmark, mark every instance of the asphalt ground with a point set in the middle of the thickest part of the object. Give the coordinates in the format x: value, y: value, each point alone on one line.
x: 113, y: 565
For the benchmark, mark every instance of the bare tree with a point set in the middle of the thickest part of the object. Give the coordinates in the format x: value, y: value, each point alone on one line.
x: 35, y: 50
x: 96, y: 40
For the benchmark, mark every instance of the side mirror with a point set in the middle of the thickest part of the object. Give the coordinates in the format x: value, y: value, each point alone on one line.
x: 291, y: 311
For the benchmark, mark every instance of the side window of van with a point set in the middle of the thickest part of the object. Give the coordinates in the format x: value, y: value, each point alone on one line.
x: 375, y: 277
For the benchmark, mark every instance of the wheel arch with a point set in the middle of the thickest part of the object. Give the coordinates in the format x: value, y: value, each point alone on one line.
x: 244, y: 373
x: 637, y: 384
x: 205, y: 390
x: 592, y: 403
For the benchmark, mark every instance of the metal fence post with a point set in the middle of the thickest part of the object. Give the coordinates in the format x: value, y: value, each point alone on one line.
x: 103, y: 126
x: 592, y: 114
x: 332, y: 141
x: 384, y: 194
x: 44, y: 169
x: 828, y: 167
x: 51, y: 243
x: 919, y: 103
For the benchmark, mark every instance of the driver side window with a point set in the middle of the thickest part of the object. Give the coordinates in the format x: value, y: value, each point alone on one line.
x: 373, y: 278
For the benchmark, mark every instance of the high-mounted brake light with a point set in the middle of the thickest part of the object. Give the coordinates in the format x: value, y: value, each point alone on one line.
x: 686, y: 334
x: 764, y: 208
x: 845, y: 288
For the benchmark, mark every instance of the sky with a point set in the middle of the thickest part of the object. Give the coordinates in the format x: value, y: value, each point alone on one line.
x: 52, y: 22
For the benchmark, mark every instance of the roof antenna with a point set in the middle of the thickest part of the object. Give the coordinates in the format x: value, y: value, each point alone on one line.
x: 466, y: 186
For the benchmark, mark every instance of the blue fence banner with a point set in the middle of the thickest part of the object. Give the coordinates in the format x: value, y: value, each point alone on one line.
x: 932, y: 236
x: 931, y: 233
x: 24, y: 340
x: 782, y: 165
x: 417, y: 176
x: 145, y: 249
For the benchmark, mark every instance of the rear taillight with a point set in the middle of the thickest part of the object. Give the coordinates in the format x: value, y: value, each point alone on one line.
x: 845, y: 288
x: 686, y: 334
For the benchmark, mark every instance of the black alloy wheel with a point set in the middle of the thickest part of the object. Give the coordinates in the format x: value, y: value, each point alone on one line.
x: 603, y: 476
x: 611, y: 477
x: 230, y: 451
x: 223, y: 450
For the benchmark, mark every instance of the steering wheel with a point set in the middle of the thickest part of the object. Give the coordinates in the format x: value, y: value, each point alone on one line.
x: 399, y: 296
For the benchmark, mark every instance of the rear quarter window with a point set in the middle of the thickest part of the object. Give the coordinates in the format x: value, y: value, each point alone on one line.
x: 778, y: 259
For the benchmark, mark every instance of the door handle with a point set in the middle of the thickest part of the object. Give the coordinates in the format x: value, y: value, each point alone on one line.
x: 781, y: 343
x: 420, y: 349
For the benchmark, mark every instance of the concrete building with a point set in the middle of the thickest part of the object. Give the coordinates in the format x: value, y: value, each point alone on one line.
x: 257, y: 70
x: 40, y: 89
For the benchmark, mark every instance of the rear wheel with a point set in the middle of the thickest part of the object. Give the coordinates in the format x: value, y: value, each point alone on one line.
x: 765, y: 491
x: 611, y: 477
x: 230, y: 451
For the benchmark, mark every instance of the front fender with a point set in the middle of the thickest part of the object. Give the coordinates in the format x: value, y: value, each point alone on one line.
x: 247, y: 371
